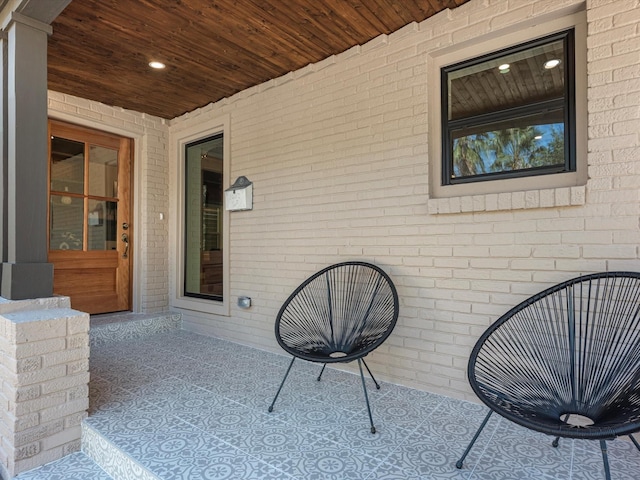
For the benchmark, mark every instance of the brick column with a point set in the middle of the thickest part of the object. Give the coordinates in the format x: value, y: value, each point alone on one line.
x: 44, y: 369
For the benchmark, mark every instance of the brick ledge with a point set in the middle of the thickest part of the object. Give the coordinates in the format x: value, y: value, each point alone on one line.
x: 493, y: 202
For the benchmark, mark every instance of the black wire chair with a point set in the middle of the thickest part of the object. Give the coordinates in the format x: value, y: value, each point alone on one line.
x: 566, y: 362
x: 339, y: 314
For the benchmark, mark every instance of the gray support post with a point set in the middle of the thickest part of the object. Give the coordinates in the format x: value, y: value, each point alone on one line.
x: 4, y: 157
x: 25, y: 271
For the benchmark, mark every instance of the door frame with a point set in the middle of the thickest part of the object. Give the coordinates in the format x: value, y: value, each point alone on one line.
x: 134, y: 212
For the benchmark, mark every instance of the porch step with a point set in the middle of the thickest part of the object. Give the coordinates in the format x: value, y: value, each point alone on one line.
x: 107, y: 456
x: 75, y: 466
x: 100, y: 459
x: 122, y: 326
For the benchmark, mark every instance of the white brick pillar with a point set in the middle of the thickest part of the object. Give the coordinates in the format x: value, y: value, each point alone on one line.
x: 44, y: 369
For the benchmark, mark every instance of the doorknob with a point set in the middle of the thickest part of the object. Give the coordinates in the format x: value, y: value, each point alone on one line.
x: 125, y: 239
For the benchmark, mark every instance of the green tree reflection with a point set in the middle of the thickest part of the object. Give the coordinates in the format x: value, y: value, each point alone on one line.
x: 508, y: 150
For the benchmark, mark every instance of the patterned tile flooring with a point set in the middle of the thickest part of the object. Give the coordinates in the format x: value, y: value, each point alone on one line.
x: 193, y: 407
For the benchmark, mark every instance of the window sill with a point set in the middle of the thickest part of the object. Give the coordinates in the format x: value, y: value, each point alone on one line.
x: 494, y: 202
x: 212, y: 307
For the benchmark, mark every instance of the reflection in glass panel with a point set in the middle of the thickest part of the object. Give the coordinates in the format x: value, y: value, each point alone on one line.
x: 67, y: 165
x: 66, y: 223
x: 101, y: 224
x: 524, y: 77
x: 203, y: 218
x: 518, y: 144
x: 103, y: 171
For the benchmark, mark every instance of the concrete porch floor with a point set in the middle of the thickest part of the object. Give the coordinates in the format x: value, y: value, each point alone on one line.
x: 176, y: 405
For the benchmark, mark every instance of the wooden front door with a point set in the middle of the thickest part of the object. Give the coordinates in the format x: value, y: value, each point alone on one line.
x: 90, y: 227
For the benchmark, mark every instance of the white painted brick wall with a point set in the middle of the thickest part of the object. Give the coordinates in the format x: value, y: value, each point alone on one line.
x: 337, y: 153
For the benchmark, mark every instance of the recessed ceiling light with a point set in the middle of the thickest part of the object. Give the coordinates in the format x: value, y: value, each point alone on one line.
x: 157, y: 65
x: 551, y: 64
x: 504, y: 68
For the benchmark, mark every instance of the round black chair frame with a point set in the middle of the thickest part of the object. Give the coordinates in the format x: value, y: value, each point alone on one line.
x: 570, y: 352
x: 339, y: 314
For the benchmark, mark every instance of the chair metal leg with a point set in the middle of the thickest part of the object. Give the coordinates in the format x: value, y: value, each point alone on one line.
x: 321, y: 371
x: 556, y: 441
x: 605, y: 459
x: 366, y: 396
x: 473, y: 440
x: 371, y: 374
x: 635, y: 442
x: 282, y: 384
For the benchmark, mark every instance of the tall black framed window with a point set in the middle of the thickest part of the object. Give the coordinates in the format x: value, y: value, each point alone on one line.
x: 510, y: 113
x: 203, y: 234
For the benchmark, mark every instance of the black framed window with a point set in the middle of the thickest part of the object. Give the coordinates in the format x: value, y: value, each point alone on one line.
x: 510, y: 113
x: 203, y: 214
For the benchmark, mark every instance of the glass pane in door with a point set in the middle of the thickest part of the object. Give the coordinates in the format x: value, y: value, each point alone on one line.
x: 103, y: 172
x: 67, y: 165
x: 66, y: 223
x: 101, y: 225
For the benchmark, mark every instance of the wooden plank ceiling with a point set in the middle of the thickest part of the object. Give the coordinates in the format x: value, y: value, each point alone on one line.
x: 100, y: 49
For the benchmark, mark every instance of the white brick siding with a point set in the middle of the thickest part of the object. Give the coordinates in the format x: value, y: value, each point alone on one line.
x: 338, y: 155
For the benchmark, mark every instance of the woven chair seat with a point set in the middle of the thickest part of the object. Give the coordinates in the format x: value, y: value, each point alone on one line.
x: 339, y: 314
x: 566, y: 362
